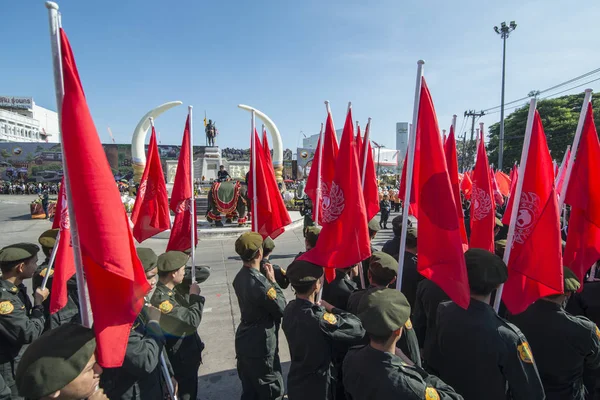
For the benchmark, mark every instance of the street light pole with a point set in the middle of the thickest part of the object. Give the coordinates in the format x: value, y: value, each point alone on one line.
x: 504, y: 32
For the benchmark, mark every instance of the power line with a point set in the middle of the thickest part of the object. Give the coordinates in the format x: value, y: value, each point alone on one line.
x: 548, y: 89
x: 571, y: 88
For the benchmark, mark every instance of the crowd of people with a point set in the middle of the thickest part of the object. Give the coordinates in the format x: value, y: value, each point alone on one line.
x: 354, y: 338
x: 21, y: 187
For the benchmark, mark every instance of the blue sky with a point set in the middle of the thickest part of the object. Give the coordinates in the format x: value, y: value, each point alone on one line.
x: 285, y: 58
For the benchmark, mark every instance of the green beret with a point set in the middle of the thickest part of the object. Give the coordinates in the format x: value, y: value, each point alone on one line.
x: 54, y: 360
x: 302, y: 272
x: 48, y: 238
x: 374, y: 225
x: 148, y: 258
x: 248, y: 244
x: 383, y: 266
x: 268, y: 244
x: 171, y: 261
x: 499, y: 247
x: 499, y: 222
x: 383, y: 311
x: 571, y: 283
x: 18, y: 252
x: 411, y: 233
x: 485, y: 268
x: 312, y: 235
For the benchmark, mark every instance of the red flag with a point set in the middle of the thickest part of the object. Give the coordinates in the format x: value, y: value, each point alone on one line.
x: 344, y: 238
x: 503, y: 182
x: 514, y: 174
x: 483, y: 209
x: 64, y: 264
x: 535, y: 264
x: 413, y: 208
x: 563, y: 172
x: 452, y: 164
x: 359, y: 147
x: 150, y: 213
x: 466, y: 185
x: 441, y: 257
x: 115, y: 277
x: 328, y: 157
x: 181, y: 199
x: 267, y: 150
x: 583, y: 195
x: 369, y: 189
x: 496, y: 189
x: 271, y: 214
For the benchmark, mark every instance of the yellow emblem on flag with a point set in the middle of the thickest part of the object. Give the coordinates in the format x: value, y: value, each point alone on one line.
x: 330, y: 318
x: 165, y: 307
x: 597, y: 332
x: 525, y: 353
x: 272, y: 293
x: 6, y: 307
x: 431, y: 394
x: 408, y: 324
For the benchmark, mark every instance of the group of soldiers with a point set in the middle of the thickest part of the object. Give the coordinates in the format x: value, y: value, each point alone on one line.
x: 355, y: 338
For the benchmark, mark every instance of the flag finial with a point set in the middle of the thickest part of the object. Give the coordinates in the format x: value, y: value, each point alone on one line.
x: 420, y: 62
x: 51, y: 5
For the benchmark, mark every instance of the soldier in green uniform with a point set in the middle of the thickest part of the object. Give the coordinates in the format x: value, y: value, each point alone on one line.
x: 261, y: 304
x: 315, y: 334
x: 140, y: 377
x: 307, y: 211
x: 61, y: 365
x: 311, y: 235
x: 479, y: 354
x: 20, y: 323
x: 373, y: 229
x: 565, y: 346
x: 338, y: 291
x: 382, y: 273
x: 181, y: 316
x: 374, y: 372
x: 70, y: 312
x: 268, y: 247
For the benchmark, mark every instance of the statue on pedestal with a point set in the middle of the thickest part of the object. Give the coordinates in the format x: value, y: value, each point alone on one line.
x: 211, y: 133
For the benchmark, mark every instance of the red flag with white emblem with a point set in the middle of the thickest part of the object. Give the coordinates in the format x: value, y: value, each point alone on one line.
x: 483, y: 209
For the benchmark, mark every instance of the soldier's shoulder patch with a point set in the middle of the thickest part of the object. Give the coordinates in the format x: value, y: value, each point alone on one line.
x: 165, y: 307
x: 597, y: 331
x: 525, y: 353
x: 169, y: 294
x: 408, y: 324
x: 272, y: 293
x: 6, y: 307
x: 431, y: 394
x: 330, y: 318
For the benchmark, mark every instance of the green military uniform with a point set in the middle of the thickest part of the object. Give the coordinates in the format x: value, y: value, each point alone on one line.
x: 338, y: 291
x: 140, y: 377
x: 20, y: 322
x: 4, y: 390
x: 179, y: 322
x: 55, y: 360
x: 372, y: 374
x: 373, y: 229
x: 70, y: 312
x: 315, y: 337
x: 280, y: 273
x: 565, y: 346
x: 261, y: 306
x: 480, y: 354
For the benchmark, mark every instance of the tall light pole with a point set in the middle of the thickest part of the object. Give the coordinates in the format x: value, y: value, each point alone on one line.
x: 504, y: 32
x: 378, y: 146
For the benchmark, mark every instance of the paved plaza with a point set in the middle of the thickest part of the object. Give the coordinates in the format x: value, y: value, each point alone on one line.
x: 218, y: 375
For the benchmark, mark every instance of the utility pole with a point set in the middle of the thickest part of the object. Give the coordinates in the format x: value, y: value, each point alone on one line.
x: 472, y: 150
x: 504, y: 32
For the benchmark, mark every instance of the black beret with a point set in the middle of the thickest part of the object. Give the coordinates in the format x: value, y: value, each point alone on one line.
x: 302, y: 272
x: 485, y: 268
x: 248, y: 244
x: 148, y: 258
x: 172, y: 261
x: 383, y: 311
x: 54, y: 360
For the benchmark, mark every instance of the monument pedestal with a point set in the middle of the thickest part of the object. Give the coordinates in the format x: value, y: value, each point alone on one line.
x: 206, y: 164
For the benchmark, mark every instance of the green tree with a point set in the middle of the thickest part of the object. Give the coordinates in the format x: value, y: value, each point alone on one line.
x: 559, y: 117
x: 5, y: 154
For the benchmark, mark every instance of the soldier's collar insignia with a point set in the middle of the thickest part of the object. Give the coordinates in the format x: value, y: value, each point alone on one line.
x: 165, y: 307
x: 170, y: 294
x: 6, y: 307
x: 431, y: 394
x: 525, y: 353
x: 272, y: 293
x: 330, y: 318
x: 13, y: 289
x: 408, y: 324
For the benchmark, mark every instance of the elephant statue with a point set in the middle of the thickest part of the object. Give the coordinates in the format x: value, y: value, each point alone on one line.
x: 229, y: 198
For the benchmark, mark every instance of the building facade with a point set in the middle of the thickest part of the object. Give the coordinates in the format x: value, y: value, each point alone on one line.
x: 401, y: 140
x: 21, y: 120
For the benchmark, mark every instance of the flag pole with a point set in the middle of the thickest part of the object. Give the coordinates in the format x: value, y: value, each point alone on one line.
x: 454, y: 125
x: 192, y: 201
x: 364, y: 152
x: 317, y: 206
x: 254, y: 194
x: 82, y: 292
x: 563, y: 192
x: 517, y: 195
x: 562, y: 166
x: 410, y: 159
x: 52, y: 257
